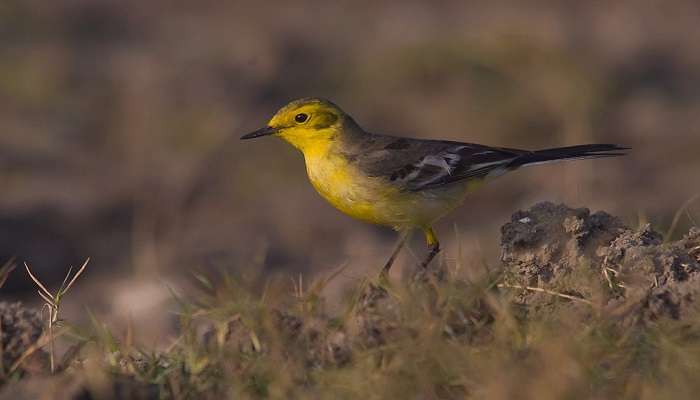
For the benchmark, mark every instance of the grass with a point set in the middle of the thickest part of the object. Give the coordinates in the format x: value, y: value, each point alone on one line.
x: 432, y: 340
x: 442, y: 333
x: 52, y: 304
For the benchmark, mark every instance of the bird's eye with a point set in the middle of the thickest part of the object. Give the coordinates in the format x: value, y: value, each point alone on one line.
x: 301, y: 118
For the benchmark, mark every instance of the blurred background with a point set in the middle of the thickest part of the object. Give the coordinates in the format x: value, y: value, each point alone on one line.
x: 119, y: 126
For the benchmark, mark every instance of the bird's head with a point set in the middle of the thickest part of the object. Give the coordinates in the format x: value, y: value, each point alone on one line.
x: 306, y: 123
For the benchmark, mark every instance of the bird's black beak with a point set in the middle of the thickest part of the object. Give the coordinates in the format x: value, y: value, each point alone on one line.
x: 266, y: 131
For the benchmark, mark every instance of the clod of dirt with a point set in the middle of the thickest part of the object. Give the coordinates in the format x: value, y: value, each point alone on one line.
x: 554, y: 255
x: 377, y: 316
x: 21, y: 328
x: 554, y: 247
x: 663, y: 277
x: 318, y: 343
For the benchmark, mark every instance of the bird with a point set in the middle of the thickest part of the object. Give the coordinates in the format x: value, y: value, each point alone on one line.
x: 403, y: 183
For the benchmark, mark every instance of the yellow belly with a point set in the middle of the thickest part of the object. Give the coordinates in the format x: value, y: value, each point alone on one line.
x: 375, y: 200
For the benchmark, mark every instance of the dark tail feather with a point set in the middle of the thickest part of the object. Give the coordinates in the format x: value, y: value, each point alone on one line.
x: 568, y: 153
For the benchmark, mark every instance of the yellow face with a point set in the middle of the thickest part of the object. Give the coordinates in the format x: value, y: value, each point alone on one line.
x: 305, y: 123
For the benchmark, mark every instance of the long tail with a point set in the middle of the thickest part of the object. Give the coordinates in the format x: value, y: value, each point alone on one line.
x: 567, y: 153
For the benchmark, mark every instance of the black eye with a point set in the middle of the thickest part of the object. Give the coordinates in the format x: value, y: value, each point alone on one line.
x: 301, y: 118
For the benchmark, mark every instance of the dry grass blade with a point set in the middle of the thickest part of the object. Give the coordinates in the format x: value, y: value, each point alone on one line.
x: 38, y: 282
x: 543, y: 290
x: 41, y: 342
x: 52, y: 303
x: 6, y: 269
x: 298, y: 287
x: 65, y: 279
x: 677, y: 216
x: 321, y: 284
x: 76, y: 276
x: 46, y: 299
x: 605, y: 272
x: 690, y: 217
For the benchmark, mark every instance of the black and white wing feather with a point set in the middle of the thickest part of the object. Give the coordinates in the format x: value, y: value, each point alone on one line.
x: 415, y: 165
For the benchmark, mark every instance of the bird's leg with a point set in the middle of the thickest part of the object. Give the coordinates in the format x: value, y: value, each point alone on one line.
x: 434, y: 250
x: 433, y: 244
x: 403, y: 236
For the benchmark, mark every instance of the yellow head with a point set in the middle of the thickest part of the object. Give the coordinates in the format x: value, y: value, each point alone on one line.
x: 306, y: 123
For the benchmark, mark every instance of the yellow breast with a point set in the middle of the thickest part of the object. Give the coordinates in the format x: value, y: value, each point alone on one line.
x: 347, y: 189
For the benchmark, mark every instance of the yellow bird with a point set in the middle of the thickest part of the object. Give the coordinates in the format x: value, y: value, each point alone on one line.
x: 398, y: 182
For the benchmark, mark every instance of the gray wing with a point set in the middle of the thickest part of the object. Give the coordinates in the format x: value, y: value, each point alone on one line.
x: 416, y: 165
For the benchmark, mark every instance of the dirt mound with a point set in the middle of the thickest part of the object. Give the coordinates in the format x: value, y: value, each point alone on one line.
x: 555, y: 255
x: 664, y: 278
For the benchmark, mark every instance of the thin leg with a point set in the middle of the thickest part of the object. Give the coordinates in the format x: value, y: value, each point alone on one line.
x: 403, y: 236
x: 433, y: 244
